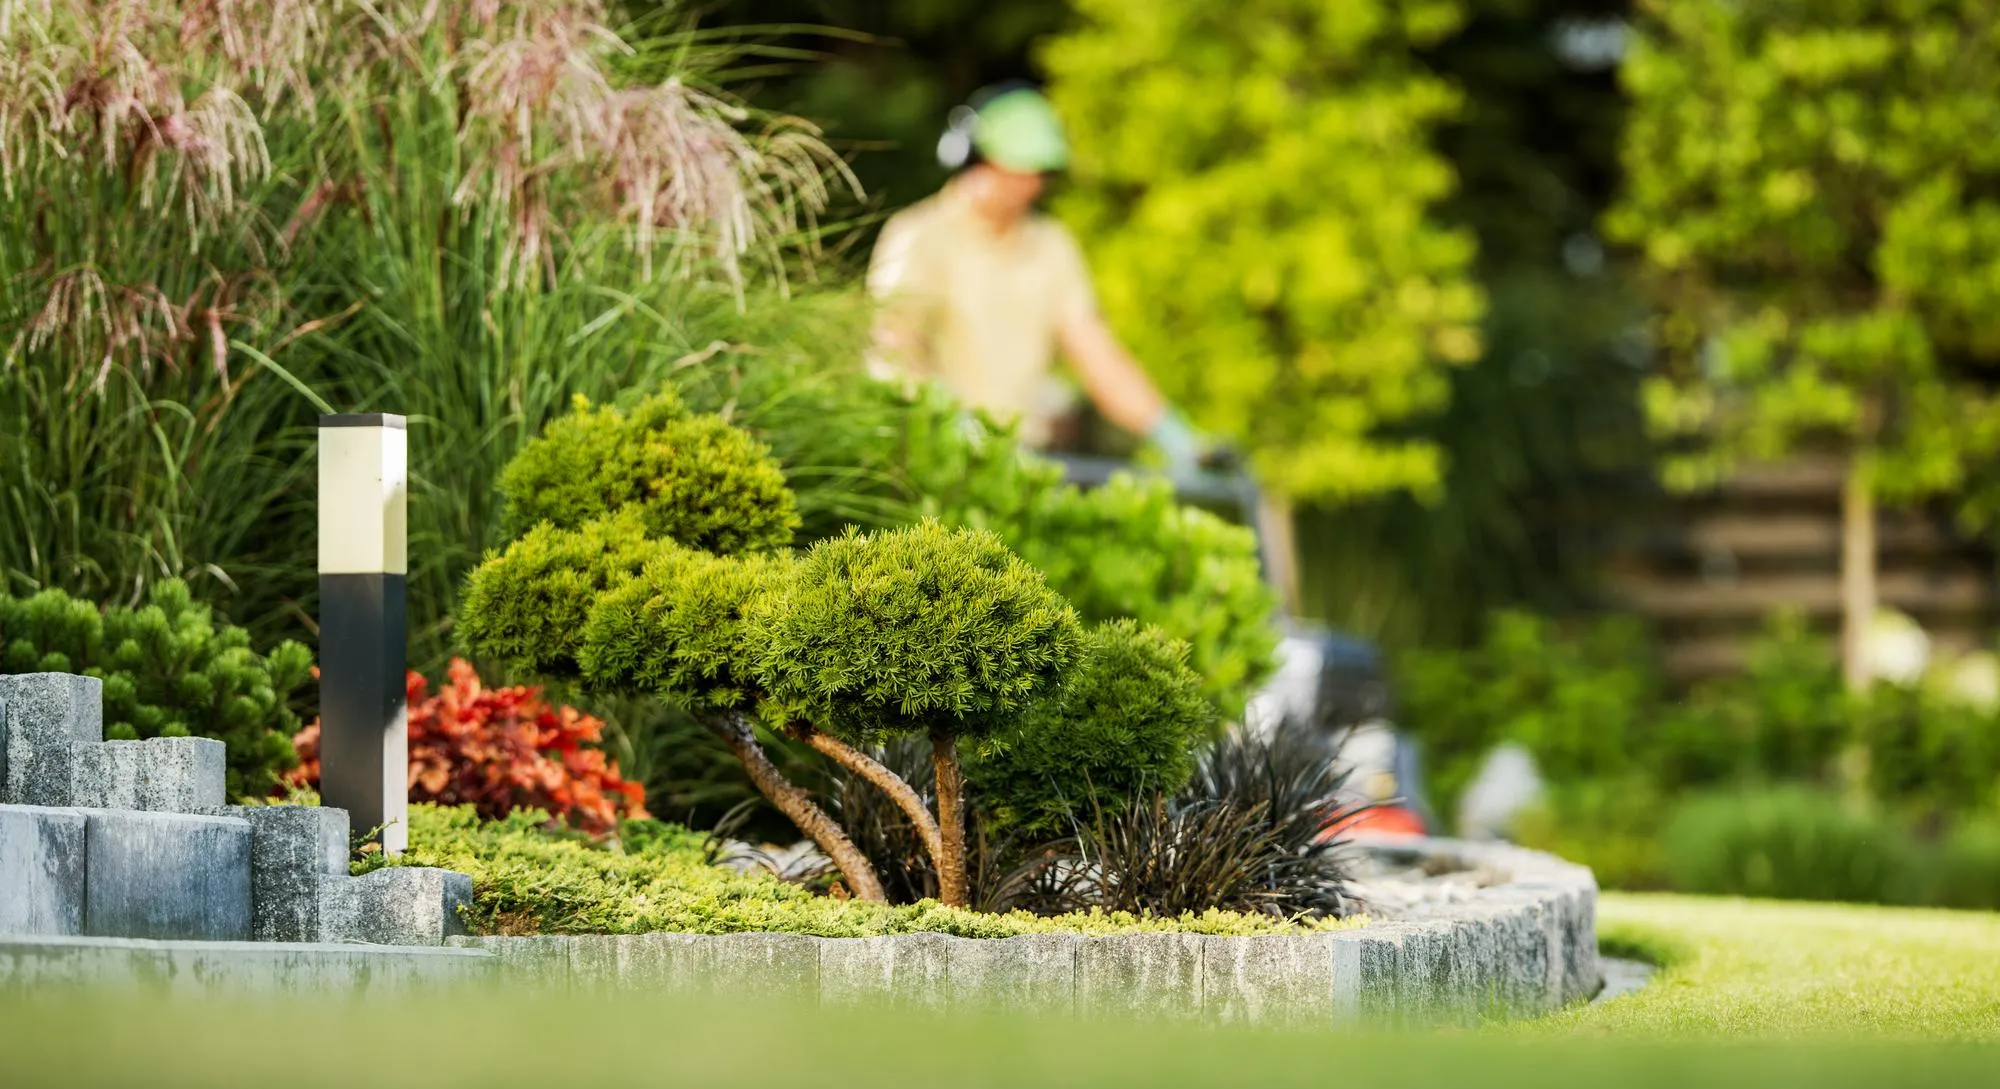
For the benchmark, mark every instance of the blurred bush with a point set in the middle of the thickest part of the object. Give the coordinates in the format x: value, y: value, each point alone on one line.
x: 1611, y: 825
x: 1788, y: 843
x: 1579, y: 699
x: 1963, y: 871
x: 1765, y: 748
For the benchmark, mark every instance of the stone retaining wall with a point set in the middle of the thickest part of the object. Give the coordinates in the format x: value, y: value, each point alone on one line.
x: 1522, y: 945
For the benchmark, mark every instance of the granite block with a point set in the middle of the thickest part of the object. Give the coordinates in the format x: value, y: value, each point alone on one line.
x: 41, y: 871
x: 163, y: 774
x: 46, y: 714
x: 166, y: 876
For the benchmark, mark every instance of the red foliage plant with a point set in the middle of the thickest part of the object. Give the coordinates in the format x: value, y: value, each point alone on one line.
x: 501, y: 749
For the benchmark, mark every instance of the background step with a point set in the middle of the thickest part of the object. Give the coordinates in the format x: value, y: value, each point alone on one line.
x: 167, y: 875
x: 46, y: 714
x: 164, y: 774
x: 41, y: 870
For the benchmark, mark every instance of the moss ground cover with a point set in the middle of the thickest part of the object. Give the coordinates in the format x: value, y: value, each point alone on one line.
x: 658, y: 877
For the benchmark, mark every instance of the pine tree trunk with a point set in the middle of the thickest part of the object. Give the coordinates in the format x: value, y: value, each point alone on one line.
x: 953, y: 888
x: 888, y: 782
x: 733, y: 727
x: 1858, y: 560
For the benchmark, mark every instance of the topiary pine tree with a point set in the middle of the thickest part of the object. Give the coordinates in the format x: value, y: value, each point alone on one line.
x: 611, y: 585
x: 1272, y: 158
x: 924, y: 631
x: 688, y: 478
x: 1811, y: 187
x: 1126, y: 720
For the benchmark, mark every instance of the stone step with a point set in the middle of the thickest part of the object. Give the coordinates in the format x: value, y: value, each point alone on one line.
x: 166, y: 875
x: 293, y: 849
x: 44, y: 716
x: 164, y: 774
x: 396, y: 905
x: 41, y: 870
x: 30, y: 966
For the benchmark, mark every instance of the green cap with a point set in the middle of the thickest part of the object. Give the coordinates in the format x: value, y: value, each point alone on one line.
x: 1018, y: 130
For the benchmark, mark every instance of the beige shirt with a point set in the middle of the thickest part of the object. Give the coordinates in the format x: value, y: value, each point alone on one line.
x: 979, y: 311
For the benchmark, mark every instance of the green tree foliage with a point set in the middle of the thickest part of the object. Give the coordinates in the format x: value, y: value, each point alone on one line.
x: 1812, y: 192
x: 1124, y: 724
x: 169, y: 670
x: 1255, y: 187
x: 678, y: 629
x: 691, y: 479
x: 526, y: 607
x: 924, y: 631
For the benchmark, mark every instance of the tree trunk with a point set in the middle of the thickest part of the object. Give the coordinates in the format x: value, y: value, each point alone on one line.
x: 1277, y: 540
x: 1858, y: 600
x: 733, y: 727
x: 888, y: 782
x: 952, y: 886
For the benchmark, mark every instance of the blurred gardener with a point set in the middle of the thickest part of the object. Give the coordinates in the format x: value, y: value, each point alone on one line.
x: 979, y: 290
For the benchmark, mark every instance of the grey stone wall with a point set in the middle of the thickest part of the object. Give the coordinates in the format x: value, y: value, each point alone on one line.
x: 1519, y: 947
x: 199, y: 969
x: 131, y: 839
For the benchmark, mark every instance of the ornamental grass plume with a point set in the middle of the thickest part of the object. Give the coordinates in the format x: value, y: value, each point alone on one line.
x: 169, y: 104
x: 232, y: 215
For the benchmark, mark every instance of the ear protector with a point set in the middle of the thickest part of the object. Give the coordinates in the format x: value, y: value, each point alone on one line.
x: 955, y: 146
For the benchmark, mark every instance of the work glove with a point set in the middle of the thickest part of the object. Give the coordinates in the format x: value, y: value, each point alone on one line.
x: 1188, y: 452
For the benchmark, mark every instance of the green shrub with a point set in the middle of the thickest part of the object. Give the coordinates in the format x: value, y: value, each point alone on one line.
x: 1124, y: 550
x: 1963, y: 871
x: 1126, y: 723
x: 169, y: 670
x: 1611, y: 825
x: 921, y: 631
x: 1129, y: 549
x: 532, y: 878
x: 1929, y: 754
x: 1786, y: 716
x: 526, y: 606
x: 691, y: 479
x: 924, y: 632
x: 1581, y: 704
x: 1788, y: 843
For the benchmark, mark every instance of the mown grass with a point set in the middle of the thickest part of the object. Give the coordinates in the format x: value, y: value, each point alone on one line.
x: 1764, y: 969
x: 1756, y: 995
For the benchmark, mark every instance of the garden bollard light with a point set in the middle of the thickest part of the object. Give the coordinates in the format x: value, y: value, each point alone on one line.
x: 363, y: 566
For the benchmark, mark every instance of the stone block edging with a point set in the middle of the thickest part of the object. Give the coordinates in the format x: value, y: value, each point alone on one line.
x: 1521, y: 945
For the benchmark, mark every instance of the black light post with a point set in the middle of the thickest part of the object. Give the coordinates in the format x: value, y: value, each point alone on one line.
x: 363, y: 565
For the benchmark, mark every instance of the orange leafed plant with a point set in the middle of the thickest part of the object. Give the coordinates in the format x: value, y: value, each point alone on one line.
x: 501, y: 749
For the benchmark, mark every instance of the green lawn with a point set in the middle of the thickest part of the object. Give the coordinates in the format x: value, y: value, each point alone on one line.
x: 1756, y: 995
x: 1770, y: 969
